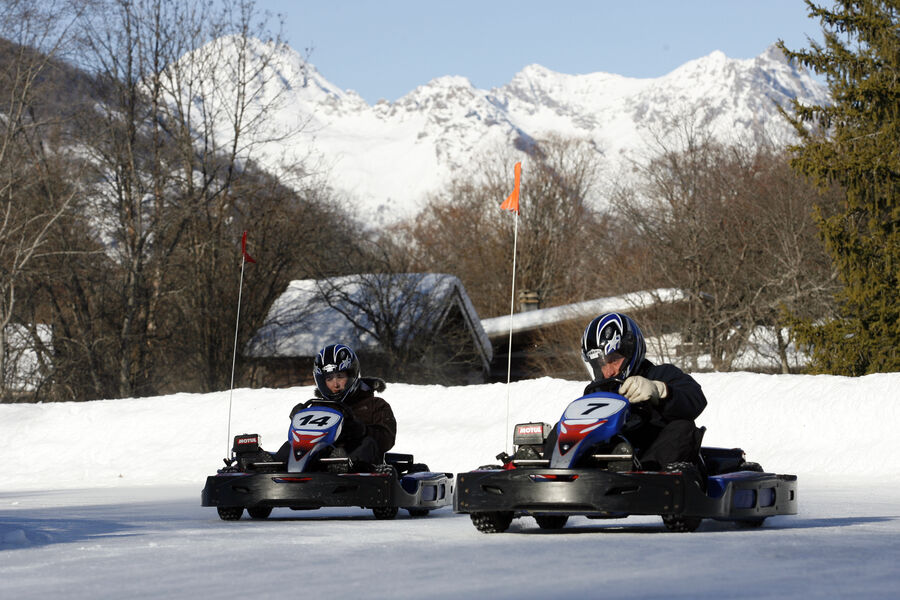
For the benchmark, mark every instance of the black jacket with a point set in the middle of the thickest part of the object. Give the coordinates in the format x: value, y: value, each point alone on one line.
x: 684, y: 398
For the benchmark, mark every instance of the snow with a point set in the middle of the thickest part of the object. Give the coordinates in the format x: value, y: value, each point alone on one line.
x: 102, y: 499
x: 534, y: 319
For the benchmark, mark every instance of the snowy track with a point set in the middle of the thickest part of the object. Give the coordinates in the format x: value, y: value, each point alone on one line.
x: 151, y: 543
x: 110, y: 528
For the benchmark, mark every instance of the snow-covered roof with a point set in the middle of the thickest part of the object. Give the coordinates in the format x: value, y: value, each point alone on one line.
x: 534, y: 319
x: 313, y: 313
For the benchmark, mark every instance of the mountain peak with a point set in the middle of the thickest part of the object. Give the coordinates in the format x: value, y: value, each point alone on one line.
x: 389, y: 157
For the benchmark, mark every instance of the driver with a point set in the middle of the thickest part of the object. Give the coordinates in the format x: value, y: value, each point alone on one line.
x: 369, y: 427
x: 666, y: 399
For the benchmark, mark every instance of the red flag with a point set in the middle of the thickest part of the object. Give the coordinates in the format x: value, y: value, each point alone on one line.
x: 512, y: 202
x: 246, y: 256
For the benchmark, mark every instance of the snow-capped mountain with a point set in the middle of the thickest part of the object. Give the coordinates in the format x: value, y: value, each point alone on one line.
x: 386, y: 158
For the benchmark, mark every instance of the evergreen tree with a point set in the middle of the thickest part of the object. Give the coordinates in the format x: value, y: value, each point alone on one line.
x: 855, y: 143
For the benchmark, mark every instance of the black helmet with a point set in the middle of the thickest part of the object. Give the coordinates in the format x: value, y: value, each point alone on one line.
x: 608, y: 333
x: 332, y: 359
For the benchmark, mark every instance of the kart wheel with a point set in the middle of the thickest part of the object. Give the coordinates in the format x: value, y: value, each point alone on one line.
x: 552, y: 521
x: 386, y: 468
x: 385, y: 512
x: 230, y: 513
x: 492, y: 522
x: 417, y: 512
x: 680, y: 523
x: 259, y: 512
x: 751, y: 466
x: 751, y: 523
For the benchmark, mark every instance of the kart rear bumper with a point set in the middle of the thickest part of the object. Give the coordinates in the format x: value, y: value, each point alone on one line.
x: 596, y: 492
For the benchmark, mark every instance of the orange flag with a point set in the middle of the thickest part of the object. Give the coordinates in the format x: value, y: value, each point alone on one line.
x: 512, y: 202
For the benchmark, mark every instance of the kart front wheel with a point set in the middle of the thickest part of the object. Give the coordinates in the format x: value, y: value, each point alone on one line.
x: 492, y: 522
x: 551, y: 521
x: 751, y: 523
x: 230, y: 513
x: 680, y: 523
x: 384, y: 512
x: 259, y: 512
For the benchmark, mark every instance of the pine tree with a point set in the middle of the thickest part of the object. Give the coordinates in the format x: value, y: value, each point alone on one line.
x: 855, y: 143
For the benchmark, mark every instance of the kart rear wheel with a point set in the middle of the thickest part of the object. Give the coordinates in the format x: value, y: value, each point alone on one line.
x: 384, y: 513
x: 259, y: 512
x: 417, y: 512
x: 680, y: 523
x: 551, y: 521
x: 492, y: 522
x: 230, y: 513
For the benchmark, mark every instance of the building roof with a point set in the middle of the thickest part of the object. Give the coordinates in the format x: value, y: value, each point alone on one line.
x: 497, y: 327
x: 313, y: 313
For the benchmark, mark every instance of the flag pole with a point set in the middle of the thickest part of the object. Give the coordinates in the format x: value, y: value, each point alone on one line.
x: 512, y: 307
x: 234, y: 358
x: 512, y: 203
x: 245, y: 258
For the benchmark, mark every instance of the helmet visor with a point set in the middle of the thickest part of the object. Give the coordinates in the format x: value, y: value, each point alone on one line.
x: 596, y: 359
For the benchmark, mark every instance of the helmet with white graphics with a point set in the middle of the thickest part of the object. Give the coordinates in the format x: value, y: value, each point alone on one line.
x: 608, y: 337
x: 329, y: 363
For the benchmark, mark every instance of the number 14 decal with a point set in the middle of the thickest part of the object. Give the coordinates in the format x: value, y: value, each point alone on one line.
x: 309, y: 420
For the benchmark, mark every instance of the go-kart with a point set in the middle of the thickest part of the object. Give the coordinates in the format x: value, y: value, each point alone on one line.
x: 594, y: 471
x: 317, y: 474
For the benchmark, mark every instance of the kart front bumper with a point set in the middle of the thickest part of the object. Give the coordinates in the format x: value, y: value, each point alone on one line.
x: 595, y: 492
x: 424, y: 490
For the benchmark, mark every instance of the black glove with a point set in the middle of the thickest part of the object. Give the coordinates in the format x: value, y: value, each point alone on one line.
x: 366, y: 452
x: 352, y: 429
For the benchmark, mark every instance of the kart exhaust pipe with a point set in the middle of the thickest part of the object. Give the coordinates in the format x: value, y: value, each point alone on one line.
x: 628, y: 456
x: 532, y: 462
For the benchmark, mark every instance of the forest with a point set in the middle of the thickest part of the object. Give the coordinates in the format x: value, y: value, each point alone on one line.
x: 122, y: 207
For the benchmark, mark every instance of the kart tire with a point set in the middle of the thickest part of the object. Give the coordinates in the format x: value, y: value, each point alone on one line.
x: 551, y: 521
x: 230, y: 513
x: 681, y: 523
x: 386, y: 468
x: 751, y: 523
x: 259, y: 512
x: 384, y: 513
x: 492, y: 522
x: 417, y: 512
x: 751, y: 466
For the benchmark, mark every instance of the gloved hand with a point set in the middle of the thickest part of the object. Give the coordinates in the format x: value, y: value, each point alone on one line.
x: 640, y: 389
x: 352, y: 430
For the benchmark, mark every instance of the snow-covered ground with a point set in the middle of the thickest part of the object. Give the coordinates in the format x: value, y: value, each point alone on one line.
x: 102, y: 499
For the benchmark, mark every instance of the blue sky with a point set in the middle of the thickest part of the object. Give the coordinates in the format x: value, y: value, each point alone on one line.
x: 384, y: 49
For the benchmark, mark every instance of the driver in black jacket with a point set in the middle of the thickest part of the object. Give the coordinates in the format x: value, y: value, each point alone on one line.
x: 665, y: 400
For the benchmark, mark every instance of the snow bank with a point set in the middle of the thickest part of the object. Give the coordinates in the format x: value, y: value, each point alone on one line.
x: 813, y: 426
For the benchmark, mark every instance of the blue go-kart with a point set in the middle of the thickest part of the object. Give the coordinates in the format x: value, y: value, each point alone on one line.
x: 593, y: 470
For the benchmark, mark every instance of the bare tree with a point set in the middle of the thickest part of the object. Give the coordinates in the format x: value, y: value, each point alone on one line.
x: 31, y: 201
x: 732, y: 227
x: 172, y: 143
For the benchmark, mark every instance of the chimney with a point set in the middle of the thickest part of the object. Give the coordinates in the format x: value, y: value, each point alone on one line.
x: 528, y: 300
